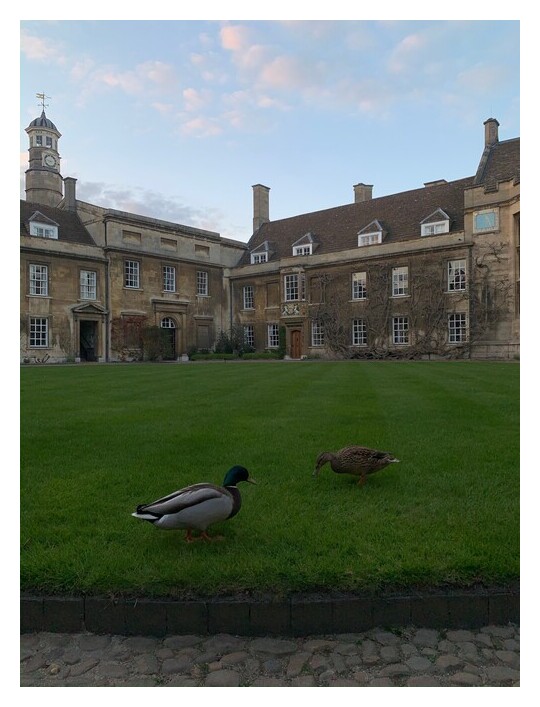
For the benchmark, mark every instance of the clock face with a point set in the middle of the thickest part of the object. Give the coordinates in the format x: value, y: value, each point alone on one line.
x: 50, y: 160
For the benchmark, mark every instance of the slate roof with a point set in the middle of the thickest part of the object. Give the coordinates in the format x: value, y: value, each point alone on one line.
x: 499, y: 162
x: 335, y: 229
x: 70, y: 227
x: 43, y: 122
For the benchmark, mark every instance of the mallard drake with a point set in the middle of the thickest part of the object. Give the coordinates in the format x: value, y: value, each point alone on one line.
x: 359, y: 461
x: 198, y: 506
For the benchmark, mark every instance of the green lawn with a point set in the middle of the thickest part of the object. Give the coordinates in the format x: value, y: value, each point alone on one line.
x: 98, y: 440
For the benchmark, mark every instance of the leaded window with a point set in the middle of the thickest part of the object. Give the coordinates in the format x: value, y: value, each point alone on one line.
x: 39, y: 280
x: 131, y: 273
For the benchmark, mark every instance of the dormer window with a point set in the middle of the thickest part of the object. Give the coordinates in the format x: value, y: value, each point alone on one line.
x: 304, y: 245
x: 260, y: 254
x: 42, y: 227
x: 259, y: 258
x: 435, y: 223
x: 372, y: 234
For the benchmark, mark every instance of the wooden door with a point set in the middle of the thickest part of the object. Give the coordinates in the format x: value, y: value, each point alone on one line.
x: 296, y: 343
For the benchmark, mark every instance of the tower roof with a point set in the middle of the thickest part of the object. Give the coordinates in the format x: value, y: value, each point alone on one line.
x: 43, y: 122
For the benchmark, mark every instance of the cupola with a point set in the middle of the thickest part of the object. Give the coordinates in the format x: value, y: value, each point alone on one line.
x: 43, y: 180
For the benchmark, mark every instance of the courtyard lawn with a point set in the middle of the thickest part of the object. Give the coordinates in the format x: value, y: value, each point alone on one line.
x: 97, y: 440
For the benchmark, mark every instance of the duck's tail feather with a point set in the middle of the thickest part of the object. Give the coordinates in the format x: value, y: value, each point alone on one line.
x: 144, y: 516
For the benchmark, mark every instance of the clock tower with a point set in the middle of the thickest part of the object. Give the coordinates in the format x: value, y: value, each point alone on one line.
x: 43, y: 179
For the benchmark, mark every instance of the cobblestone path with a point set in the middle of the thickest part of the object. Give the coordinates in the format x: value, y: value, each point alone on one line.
x: 407, y: 657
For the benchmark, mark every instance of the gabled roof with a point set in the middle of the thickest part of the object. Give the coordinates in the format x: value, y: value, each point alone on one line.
x: 38, y: 217
x: 306, y: 239
x: 70, y: 227
x: 261, y: 248
x: 373, y: 227
x: 337, y: 228
x: 436, y: 216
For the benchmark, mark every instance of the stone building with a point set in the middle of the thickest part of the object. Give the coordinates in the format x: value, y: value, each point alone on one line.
x: 94, y: 281
x: 428, y: 272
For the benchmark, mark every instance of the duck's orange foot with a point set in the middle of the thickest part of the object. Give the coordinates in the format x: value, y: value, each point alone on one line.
x: 190, y: 538
x: 205, y: 536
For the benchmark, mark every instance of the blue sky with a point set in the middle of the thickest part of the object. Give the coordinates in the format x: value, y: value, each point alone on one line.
x: 177, y: 119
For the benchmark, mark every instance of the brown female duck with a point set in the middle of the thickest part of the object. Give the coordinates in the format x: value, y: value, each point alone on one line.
x: 359, y: 461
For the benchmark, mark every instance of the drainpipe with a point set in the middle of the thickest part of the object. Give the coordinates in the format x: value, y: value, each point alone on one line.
x: 230, y: 304
x: 472, y: 308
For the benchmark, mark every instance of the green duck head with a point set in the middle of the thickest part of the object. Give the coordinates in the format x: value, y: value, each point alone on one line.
x: 236, y: 474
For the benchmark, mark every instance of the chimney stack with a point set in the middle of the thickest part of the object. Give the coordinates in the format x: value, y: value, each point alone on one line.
x: 70, y: 199
x: 261, y: 208
x: 362, y: 192
x: 491, y: 132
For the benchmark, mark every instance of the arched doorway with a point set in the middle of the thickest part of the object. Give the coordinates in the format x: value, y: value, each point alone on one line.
x: 168, y: 326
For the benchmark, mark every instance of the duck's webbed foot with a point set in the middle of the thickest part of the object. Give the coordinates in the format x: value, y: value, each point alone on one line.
x: 208, y: 538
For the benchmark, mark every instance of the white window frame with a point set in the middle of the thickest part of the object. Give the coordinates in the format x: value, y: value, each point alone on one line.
x: 249, y: 335
x: 167, y: 323
x: 434, y: 228
x: 169, y: 278
x: 303, y: 249
x: 132, y: 274
x: 458, y: 328
x: 359, y: 332
x: 373, y: 238
x: 457, y: 275
x: 38, y: 279
x: 294, y: 287
x: 400, y: 281
x: 88, y: 284
x: 317, y: 333
x: 248, y: 297
x: 38, y: 333
x: 202, y: 283
x: 257, y: 258
x: 359, y: 285
x: 273, y: 336
x: 400, y: 330
x: 42, y: 230
x: 479, y: 215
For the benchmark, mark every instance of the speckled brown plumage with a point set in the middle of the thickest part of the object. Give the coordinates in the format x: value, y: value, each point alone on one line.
x: 359, y: 461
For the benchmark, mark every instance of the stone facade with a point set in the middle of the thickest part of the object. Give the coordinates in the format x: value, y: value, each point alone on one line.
x: 428, y: 272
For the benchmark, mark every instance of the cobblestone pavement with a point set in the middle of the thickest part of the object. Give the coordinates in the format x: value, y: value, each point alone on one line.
x: 406, y: 657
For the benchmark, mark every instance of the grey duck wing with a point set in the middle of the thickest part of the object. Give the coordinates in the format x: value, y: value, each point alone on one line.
x: 184, y: 498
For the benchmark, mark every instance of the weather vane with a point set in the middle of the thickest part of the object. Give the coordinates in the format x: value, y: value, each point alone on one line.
x: 42, y: 98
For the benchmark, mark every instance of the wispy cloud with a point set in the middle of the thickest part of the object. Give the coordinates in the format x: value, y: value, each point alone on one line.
x: 201, y: 127
x: 40, y: 49
x: 149, y: 203
x: 406, y: 54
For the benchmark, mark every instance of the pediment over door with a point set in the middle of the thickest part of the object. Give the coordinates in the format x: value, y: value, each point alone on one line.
x: 89, y: 309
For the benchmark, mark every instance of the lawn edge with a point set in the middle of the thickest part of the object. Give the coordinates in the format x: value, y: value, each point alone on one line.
x: 294, y: 615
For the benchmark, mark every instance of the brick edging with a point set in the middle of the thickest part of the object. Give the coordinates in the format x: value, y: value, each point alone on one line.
x: 296, y: 615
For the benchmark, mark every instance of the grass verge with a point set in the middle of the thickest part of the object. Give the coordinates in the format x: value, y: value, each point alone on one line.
x: 98, y: 440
